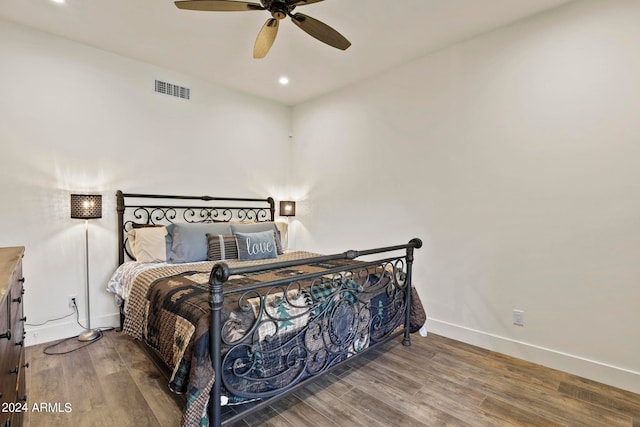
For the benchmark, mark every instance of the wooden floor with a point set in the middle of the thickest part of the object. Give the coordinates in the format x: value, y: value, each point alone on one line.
x: 435, y: 382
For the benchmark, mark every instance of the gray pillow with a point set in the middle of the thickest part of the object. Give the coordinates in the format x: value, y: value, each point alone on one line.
x: 260, y: 245
x: 189, y: 241
x: 254, y: 227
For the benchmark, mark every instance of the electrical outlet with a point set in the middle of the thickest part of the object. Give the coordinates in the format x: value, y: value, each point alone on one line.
x: 71, y: 299
x: 518, y: 317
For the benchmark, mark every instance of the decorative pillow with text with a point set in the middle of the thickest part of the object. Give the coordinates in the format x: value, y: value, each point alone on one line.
x: 252, y: 246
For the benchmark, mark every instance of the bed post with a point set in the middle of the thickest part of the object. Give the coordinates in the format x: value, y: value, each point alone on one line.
x: 219, y: 275
x: 120, y: 210
x: 272, y: 208
x: 413, y: 243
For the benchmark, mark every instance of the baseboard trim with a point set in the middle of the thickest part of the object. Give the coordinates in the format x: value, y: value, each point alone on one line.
x: 592, y: 369
x: 48, y: 333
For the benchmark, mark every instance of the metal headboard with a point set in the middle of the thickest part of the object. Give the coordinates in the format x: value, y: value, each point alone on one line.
x: 156, y: 209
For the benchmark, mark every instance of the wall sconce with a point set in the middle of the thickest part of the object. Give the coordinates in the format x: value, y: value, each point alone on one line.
x: 287, y: 208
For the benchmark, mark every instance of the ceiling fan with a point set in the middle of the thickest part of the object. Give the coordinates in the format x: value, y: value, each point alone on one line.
x: 279, y: 10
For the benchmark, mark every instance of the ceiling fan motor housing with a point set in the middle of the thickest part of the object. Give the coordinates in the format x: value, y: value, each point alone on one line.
x: 279, y: 9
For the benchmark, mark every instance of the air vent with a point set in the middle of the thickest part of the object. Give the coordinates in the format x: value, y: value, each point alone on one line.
x: 173, y: 90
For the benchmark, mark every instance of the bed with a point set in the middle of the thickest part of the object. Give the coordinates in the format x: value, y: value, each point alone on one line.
x: 247, y: 322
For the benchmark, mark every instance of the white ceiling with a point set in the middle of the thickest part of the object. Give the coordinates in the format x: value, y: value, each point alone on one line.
x: 218, y: 46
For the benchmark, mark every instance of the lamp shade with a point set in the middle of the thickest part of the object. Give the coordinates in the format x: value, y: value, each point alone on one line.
x: 287, y: 208
x: 86, y: 206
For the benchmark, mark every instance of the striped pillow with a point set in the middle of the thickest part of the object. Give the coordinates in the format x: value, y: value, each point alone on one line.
x: 221, y: 247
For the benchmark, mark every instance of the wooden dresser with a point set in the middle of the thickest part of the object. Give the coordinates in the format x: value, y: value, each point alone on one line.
x: 12, y: 364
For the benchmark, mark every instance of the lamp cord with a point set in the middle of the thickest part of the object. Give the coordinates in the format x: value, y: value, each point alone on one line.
x: 75, y: 310
x: 51, y: 320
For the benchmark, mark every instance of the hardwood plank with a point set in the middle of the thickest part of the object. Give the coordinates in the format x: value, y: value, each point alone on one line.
x: 155, y: 391
x: 588, y: 384
x: 152, y: 384
x: 378, y: 371
x: 341, y: 411
x: 268, y: 418
x: 603, y: 399
x: 516, y: 415
x: 442, y: 370
x: 447, y: 344
x: 406, y: 409
x: 333, y: 385
x: 460, y: 401
x: 393, y: 364
x: 299, y: 413
x: 435, y: 381
x: 85, y: 391
x: 121, y: 392
x: 399, y: 412
x: 411, y: 355
x: 553, y: 406
x: 47, y: 386
x: 105, y: 357
x: 38, y: 361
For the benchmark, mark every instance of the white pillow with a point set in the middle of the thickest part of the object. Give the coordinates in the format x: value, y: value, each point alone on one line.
x: 148, y: 244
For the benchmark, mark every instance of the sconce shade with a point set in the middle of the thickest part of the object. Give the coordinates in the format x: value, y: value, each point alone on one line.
x: 86, y: 206
x: 287, y: 208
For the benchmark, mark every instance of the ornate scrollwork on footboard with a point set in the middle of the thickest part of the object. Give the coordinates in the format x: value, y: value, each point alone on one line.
x: 305, y: 326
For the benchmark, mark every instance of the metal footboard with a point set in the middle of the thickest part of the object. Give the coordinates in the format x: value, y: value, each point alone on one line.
x: 315, y: 321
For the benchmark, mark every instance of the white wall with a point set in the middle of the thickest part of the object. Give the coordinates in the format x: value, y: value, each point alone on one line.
x: 514, y: 156
x: 74, y: 119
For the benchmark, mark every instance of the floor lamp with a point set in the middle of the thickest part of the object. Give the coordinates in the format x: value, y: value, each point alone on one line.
x: 87, y: 206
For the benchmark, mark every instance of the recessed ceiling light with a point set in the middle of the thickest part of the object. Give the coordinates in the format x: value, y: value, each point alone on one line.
x: 58, y: 1
x: 284, y: 80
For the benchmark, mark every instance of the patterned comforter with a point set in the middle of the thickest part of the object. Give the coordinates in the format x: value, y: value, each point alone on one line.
x: 168, y: 308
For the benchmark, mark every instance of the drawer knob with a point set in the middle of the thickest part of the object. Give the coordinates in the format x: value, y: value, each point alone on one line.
x: 21, y: 280
x: 6, y: 335
x: 14, y: 370
x: 23, y: 398
x: 20, y: 343
x: 26, y: 365
x: 18, y: 300
x: 23, y: 319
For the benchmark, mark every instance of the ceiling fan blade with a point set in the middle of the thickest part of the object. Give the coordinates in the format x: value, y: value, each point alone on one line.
x: 265, y: 39
x: 321, y: 31
x: 301, y: 2
x: 218, y: 5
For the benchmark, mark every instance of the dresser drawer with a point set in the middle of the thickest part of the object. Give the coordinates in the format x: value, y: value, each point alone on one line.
x: 17, y: 320
x: 10, y: 370
x: 12, y: 363
x: 16, y: 291
x: 6, y: 355
x: 21, y: 393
